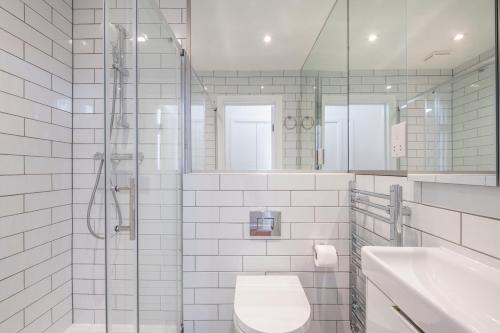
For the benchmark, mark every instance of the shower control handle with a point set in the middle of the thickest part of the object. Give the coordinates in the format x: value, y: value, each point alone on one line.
x: 132, y: 209
x: 131, y: 228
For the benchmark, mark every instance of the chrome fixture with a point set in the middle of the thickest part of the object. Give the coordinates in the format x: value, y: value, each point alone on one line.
x: 392, y: 214
x: 119, y: 75
x: 131, y: 204
x: 265, y: 223
x: 119, y: 157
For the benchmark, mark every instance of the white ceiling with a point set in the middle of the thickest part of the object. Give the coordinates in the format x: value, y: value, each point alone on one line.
x: 408, y: 31
x: 228, y: 34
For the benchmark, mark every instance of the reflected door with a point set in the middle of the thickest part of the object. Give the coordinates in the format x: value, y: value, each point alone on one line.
x: 335, y: 137
x: 356, y: 136
x: 368, y: 137
x: 249, y: 133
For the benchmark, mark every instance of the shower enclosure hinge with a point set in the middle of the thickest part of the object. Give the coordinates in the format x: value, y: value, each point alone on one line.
x: 272, y: 127
x: 183, y: 52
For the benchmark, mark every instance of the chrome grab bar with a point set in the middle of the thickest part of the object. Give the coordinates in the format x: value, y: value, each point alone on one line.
x: 132, y: 209
x: 131, y: 228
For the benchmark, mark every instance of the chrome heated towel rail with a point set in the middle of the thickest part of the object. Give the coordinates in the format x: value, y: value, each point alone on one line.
x: 384, y: 229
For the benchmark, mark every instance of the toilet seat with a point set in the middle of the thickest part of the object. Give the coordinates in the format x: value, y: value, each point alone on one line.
x: 271, y: 304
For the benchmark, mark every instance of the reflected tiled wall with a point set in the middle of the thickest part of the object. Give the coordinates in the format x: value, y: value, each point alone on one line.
x: 297, y: 89
x: 474, y: 117
x: 298, y: 147
x: 35, y: 165
x: 217, y: 246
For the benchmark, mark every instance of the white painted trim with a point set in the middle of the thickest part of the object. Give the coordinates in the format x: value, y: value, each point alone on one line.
x: 276, y: 100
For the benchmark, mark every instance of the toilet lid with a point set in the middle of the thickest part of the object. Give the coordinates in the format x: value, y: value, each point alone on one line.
x: 271, y: 304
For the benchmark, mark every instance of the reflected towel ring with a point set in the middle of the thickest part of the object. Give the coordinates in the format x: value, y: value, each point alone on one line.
x: 290, y: 122
x: 307, y: 122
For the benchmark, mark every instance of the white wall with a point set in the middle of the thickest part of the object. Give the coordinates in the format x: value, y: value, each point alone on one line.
x: 35, y: 165
x: 217, y: 247
x: 461, y: 217
x: 88, y: 138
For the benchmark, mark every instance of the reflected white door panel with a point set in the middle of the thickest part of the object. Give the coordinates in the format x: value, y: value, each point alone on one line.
x: 368, y: 137
x: 335, y: 137
x: 249, y: 133
x: 356, y: 137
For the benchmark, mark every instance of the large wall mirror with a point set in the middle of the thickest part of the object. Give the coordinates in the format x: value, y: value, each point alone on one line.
x: 376, y: 86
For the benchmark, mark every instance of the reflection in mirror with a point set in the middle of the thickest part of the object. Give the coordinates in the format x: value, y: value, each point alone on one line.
x: 428, y: 65
x: 377, y: 81
x: 451, y: 108
x: 202, y: 127
x: 244, y: 51
x: 326, y: 70
x: 247, y: 136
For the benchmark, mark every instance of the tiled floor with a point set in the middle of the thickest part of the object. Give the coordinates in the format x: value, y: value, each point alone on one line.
x: 100, y: 328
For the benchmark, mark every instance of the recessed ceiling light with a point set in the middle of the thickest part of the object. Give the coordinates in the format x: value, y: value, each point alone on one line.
x: 372, y: 37
x: 389, y: 87
x: 267, y: 39
x: 261, y: 87
x: 142, y: 38
x: 428, y: 110
x: 458, y: 37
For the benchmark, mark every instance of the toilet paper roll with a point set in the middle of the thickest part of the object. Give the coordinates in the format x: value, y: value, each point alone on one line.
x: 325, y: 256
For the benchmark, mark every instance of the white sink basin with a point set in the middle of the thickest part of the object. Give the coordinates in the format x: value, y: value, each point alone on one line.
x: 440, y: 290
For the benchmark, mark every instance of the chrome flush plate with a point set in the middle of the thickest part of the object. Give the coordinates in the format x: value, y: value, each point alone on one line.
x: 265, y: 223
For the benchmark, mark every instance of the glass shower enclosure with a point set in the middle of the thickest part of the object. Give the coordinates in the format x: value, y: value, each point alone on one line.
x: 141, y: 170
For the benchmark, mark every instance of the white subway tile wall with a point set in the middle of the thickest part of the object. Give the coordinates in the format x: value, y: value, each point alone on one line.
x: 35, y: 157
x: 217, y: 245
x: 459, y: 217
x: 88, y: 124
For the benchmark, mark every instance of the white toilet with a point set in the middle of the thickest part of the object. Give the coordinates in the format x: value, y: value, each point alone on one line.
x: 270, y: 304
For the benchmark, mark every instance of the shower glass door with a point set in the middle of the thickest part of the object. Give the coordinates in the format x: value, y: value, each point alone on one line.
x: 160, y: 104
x: 121, y: 257
x: 144, y: 74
